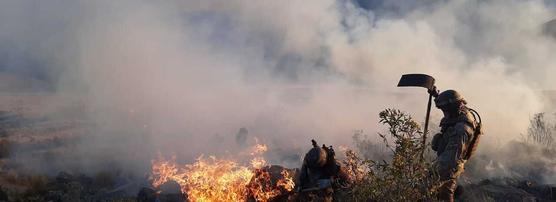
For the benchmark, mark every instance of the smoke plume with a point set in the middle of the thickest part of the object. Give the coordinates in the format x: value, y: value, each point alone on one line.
x: 184, y: 76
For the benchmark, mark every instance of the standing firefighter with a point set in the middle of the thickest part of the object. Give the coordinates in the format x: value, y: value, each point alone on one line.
x: 319, y: 174
x: 458, y: 139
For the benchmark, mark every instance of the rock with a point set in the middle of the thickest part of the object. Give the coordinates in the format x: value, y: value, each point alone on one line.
x: 147, y: 195
x: 171, y: 192
x: 170, y: 187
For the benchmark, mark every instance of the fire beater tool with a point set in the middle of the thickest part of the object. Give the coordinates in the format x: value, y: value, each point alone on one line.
x: 425, y: 81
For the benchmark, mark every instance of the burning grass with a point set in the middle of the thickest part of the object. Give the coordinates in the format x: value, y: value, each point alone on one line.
x: 214, y: 179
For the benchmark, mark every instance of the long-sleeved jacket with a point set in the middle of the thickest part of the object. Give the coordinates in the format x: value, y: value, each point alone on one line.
x: 452, y: 143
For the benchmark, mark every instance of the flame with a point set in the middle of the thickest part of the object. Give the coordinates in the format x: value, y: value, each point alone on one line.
x: 214, y: 179
x: 262, y: 189
x: 258, y: 162
x: 259, y: 149
x: 286, y: 181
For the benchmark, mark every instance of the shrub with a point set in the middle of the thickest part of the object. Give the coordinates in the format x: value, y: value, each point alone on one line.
x: 540, y: 130
x: 405, y: 177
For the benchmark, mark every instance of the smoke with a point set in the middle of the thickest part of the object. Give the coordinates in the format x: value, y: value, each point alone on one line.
x: 184, y: 76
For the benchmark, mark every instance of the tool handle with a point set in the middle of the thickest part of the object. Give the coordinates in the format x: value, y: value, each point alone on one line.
x: 426, y: 129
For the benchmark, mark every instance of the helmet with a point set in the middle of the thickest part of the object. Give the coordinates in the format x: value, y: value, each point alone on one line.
x: 316, y: 157
x: 448, y: 97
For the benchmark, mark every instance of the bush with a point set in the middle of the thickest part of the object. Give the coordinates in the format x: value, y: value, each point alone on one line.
x: 540, y: 130
x: 405, y: 177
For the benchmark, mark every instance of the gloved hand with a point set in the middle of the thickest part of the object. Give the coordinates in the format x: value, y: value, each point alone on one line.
x: 433, y: 91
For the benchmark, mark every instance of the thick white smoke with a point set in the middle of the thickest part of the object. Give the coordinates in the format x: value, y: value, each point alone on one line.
x: 184, y: 76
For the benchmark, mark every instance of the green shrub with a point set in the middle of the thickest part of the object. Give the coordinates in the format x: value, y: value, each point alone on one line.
x: 405, y: 177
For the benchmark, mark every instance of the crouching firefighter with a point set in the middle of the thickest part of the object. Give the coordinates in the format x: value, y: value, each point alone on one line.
x: 320, y: 174
x: 457, y: 141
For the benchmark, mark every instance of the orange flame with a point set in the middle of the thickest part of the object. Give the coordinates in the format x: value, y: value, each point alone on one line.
x: 286, y: 181
x: 262, y: 187
x: 213, y: 179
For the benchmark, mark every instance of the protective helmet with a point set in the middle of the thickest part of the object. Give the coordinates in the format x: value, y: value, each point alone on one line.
x: 316, y: 157
x: 448, y: 97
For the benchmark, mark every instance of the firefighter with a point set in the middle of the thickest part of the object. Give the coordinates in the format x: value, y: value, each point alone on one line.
x: 320, y: 174
x: 456, y: 141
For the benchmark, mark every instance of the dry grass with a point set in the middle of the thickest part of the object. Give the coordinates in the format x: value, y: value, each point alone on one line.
x: 541, y: 131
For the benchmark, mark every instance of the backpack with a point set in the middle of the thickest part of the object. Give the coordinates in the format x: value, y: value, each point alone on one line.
x: 478, y: 132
